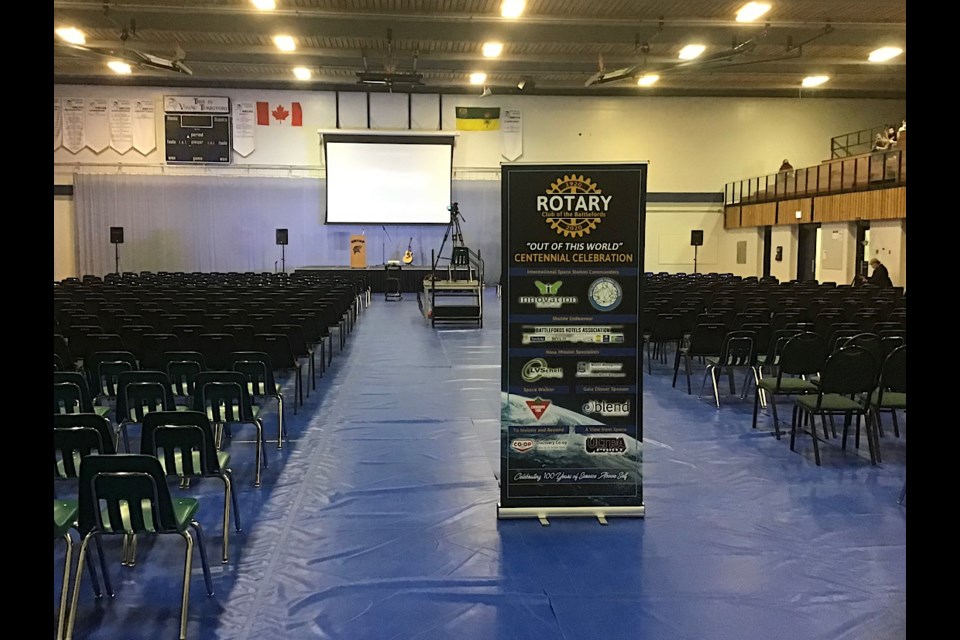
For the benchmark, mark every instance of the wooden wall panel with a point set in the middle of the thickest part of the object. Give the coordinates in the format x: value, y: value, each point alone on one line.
x: 758, y: 215
x: 787, y: 211
x: 731, y: 217
x: 881, y: 204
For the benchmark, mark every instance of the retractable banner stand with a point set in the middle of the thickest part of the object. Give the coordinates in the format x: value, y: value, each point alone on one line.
x: 571, y: 423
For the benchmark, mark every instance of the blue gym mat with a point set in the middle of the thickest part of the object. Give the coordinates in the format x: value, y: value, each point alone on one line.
x: 378, y: 520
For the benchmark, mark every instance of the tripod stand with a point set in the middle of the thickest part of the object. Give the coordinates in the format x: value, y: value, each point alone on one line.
x: 453, y: 225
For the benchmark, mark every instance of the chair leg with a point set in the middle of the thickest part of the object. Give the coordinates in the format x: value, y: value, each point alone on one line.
x: 126, y: 438
x: 299, y: 383
x: 713, y: 378
x: 226, y: 516
x: 65, y: 587
x: 879, y: 424
x: 280, y: 426
x: 870, y: 442
x: 776, y: 418
x: 185, y: 598
x: 203, y: 556
x: 816, y: 440
x: 313, y: 372
x: 649, y: 360
x: 233, y: 498
x: 686, y: 364
x: 793, y: 425
x: 107, y: 585
x: 676, y: 368
x: 756, y: 404
x: 846, y: 428
x: 72, y: 614
x: 896, y: 424
x: 260, y: 460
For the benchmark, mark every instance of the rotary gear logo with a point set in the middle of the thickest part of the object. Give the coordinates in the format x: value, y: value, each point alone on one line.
x: 574, y: 222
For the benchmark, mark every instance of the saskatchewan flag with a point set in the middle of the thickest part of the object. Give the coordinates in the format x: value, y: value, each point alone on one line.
x: 478, y: 118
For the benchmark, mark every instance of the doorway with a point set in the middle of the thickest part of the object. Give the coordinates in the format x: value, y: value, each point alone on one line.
x: 863, y: 247
x: 807, y: 252
x: 767, y: 239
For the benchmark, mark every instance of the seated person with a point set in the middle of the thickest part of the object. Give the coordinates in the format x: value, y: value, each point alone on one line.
x: 880, y: 277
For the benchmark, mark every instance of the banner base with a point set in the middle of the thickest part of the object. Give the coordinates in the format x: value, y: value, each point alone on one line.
x: 543, y: 513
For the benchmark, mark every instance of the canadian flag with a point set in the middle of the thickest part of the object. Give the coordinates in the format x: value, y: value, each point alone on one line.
x: 290, y: 115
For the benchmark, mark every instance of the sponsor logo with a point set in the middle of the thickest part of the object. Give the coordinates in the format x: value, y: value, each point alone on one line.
x: 607, y: 408
x: 600, y: 370
x: 521, y: 446
x: 574, y: 334
x: 538, y: 406
x: 605, y: 294
x: 548, y: 298
x: 605, y: 444
x: 538, y: 368
x: 573, y: 206
x: 551, y: 445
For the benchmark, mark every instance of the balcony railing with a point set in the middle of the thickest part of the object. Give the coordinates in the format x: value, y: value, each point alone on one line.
x: 878, y: 170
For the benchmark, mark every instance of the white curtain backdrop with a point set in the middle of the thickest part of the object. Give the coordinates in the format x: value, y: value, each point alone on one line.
x: 222, y: 223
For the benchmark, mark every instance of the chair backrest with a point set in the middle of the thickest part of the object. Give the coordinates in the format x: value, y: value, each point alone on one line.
x: 738, y: 349
x: 893, y: 375
x: 182, y: 374
x: 182, y: 441
x: 277, y: 346
x: 124, y: 494
x: 144, y: 397
x: 100, y: 342
x: 256, y: 368
x: 849, y: 370
x: 869, y: 341
x: 108, y: 376
x: 61, y: 349
x: 778, y: 339
x: 761, y: 335
x: 75, y: 436
x: 707, y: 339
x: 803, y: 354
x: 667, y: 326
x: 890, y: 340
x: 93, y: 361
x: 153, y: 346
x: 70, y: 394
x: 222, y: 396
x: 216, y: 349
x: 294, y: 333
x: 127, y: 378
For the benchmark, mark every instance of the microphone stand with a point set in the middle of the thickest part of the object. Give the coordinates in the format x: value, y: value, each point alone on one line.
x: 383, y: 245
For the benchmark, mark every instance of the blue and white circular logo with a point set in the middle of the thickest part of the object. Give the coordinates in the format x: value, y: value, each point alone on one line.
x: 605, y: 294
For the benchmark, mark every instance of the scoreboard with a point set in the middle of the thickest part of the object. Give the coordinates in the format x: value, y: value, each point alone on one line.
x: 196, y: 129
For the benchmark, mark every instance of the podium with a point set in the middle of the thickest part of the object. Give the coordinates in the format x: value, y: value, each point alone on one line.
x: 358, y: 252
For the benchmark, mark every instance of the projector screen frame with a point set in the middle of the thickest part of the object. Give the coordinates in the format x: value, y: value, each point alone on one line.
x: 365, y: 136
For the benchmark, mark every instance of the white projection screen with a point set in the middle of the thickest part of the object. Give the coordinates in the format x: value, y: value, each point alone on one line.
x: 388, y: 179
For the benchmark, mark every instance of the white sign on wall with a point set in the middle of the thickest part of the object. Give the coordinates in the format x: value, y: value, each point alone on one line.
x: 57, y: 124
x: 195, y: 104
x: 73, y: 111
x: 144, y: 126
x: 511, y: 134
x: 121, y: 125
x: 244, y: 127
x: 96, y: 125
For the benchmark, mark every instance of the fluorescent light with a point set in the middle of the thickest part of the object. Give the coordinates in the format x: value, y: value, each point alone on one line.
x: 691, y: 51
x: 478, y: 78
x: 884, y: 53
x: 284, y: 43
x: 302, y: 73
x: 492, y: 49
x: 814, y: 81
x: 265, y: 5
x: 71, y: 35
x: 119, y: 67
x: 647, y: 80
x: 512, y: 8
x: 798, y: 214
x: 751, y: 11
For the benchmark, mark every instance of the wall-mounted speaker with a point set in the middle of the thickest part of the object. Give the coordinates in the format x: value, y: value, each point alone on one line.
x: 116, y: 235
x: 282, y: 236
x: 696, y: 237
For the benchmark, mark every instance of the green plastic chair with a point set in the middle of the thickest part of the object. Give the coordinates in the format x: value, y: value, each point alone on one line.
x: 64, y: 518
x: 847, y: 373
x: 256, y: 368
x: 139, y: 392
x: 127, y: 495
x: 183, y: 442
x: 74, y: 400
x: 795, y: 357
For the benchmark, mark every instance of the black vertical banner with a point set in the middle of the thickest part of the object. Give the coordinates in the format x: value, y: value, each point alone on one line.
x: 571, y: 419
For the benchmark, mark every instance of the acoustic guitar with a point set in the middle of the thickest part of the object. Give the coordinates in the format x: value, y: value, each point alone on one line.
x: 408, y: 254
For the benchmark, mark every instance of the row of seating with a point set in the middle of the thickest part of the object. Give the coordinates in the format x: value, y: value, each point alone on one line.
x: 185, y: 388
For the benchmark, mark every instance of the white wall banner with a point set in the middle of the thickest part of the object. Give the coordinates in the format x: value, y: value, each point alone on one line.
x: 511, y: 134
x: 244, y: 125
x: 96, y: 125
x: 73, y: 112
x: 121, y: 125
x: 144, y: 126
x: 57, y: 124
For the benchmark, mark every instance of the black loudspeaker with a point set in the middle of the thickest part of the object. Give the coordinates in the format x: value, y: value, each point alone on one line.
x: 696, y: 237
x: 282, y: 236
x: 116, y: 235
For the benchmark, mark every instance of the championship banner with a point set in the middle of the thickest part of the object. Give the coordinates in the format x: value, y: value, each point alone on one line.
x: 121, y: 126
x: 57, y: 124
x: 96, y: 125
x: 571, y: 418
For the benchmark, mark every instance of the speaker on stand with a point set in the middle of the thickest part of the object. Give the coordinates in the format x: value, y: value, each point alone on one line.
x: 282, y: 240
x: 696, y: 241
x: 116, y: 239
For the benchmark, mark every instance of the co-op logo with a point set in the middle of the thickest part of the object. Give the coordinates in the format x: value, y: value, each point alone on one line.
x: 605, y: 444
x: 607, y: 408
x: 574, y: 206
x: 538, y: 368
x: 521, y: 446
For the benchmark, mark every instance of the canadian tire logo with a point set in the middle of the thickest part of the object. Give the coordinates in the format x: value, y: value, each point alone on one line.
x: 538, y: 406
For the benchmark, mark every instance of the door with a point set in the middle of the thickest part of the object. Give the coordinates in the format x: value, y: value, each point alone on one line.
x: 863, y: 244
x: 767, y: 238
x: 807, y: 252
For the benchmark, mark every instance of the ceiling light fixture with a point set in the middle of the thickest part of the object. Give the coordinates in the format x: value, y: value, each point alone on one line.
x: 486, y: 92
x: 751, y: 11
x: 119, y: 67
x: 284, y: 43
x: 884, y: 53
x: 492, y: 49
x: 478, y: 78
x: 71, y: 35
x: 814, y: 81
x: 691, y: 51
x: 648, y: 79
x: 302, y: 73
x: 264, y: 5
x: 512, y: 8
